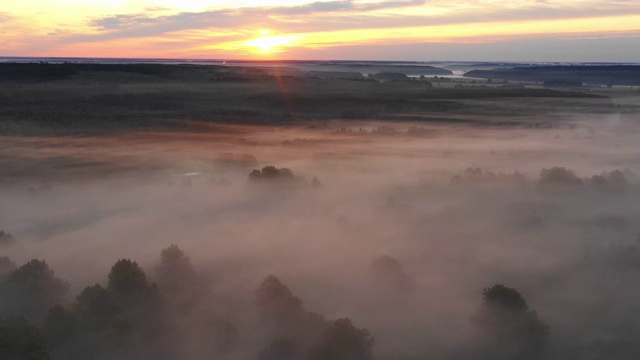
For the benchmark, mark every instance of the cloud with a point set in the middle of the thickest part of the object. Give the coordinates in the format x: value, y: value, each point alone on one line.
x: 332, y: 19
x: 5, y: 17
x: 333, y: 15
x: 58, y: 32
x: 118, y: 22
x: 342, y: 5
x: 236, y: 17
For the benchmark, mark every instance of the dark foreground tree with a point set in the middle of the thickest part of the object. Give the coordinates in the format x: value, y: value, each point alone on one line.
x: 284, y: 315
x: 96, y: 308
x: 32, y: 289
x: 21, y: 341
x: 508, y: 328
x: 59, y: 326
x: 343, y: 341
x: 6, y: 267
x: 175, y: 274
x: 281, y: 349
x: 128, y: 283
x: 277, y: 306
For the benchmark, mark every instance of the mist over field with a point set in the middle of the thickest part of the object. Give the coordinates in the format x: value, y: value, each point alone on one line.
x: 397, y: 226
x: 319, y: 180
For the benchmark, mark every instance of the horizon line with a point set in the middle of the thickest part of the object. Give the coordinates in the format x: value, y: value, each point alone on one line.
x: 309, y: 60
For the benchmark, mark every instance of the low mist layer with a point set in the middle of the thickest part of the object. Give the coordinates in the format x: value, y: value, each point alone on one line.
x: 340, y: 240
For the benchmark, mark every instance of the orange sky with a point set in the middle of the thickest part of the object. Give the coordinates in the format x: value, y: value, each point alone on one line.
x: 498, y: 30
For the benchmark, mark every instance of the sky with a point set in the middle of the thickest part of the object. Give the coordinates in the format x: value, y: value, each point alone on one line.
x: 411, y: 30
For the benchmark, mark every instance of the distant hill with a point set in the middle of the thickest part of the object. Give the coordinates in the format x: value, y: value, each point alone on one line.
x: 588, y: 74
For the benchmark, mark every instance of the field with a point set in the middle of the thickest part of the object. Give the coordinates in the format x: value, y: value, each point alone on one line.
x: 402, y: 201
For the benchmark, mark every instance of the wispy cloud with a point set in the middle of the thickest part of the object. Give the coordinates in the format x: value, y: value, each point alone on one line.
x: 328, y: 23
x: 337, y: 15
x: 241, y: 16
x: 4, y: 17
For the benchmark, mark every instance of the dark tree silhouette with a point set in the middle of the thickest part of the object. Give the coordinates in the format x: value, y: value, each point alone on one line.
x: 21, y: 341
x: 96, y: 308
x: 388, y: 274
x: 6, y: 238
x: 226, y: 335
x: 139, y: 300
x: 281, y: 349
x: 128, y: 283
x: 343, y: 341
x: 284, y: 314
x: 559, y: 176
x: 6, y: 267
x: 174, y: 273
x: 611, y: 181
x: 33, y: 288
x: 59, y: 326
x: 277, y: 305
x: 271, y: 173
x: 509, y: 329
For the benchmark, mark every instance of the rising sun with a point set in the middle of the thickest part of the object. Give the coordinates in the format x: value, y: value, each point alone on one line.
x: 270, y: 43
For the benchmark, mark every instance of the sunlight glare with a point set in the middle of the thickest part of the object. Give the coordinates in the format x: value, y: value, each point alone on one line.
x: 270, y: 43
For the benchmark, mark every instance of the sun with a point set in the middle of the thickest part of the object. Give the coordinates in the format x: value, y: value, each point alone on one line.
x: 270, y: 43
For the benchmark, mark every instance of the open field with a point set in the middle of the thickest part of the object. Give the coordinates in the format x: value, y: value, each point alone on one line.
x: 167, y: 95
x: 404, y: 200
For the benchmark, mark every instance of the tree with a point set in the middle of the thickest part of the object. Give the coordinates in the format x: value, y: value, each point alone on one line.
x: 138, y: 298
x: 175, y: 272
x: 59, y: 325
x: 128, y: 283
x: 387, y: 272
x: 272, y: 173
x: 509, y: 329
x: 21, y: 341
x: 284, y: 313
x: 281, y: 349
x: 343, y: 341
x: 559, y: 176
x: 226, y: 335
x: 6, y: 267
x: 32, y: 288
x: 6, y: 238
x: 277, y: 305
x: 96, y: 308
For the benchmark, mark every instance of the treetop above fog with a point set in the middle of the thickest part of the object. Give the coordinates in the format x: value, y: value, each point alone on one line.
x: 509, y: 329
x: 271, y: 173
x: 127, y: 282
x: 504, y: 298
